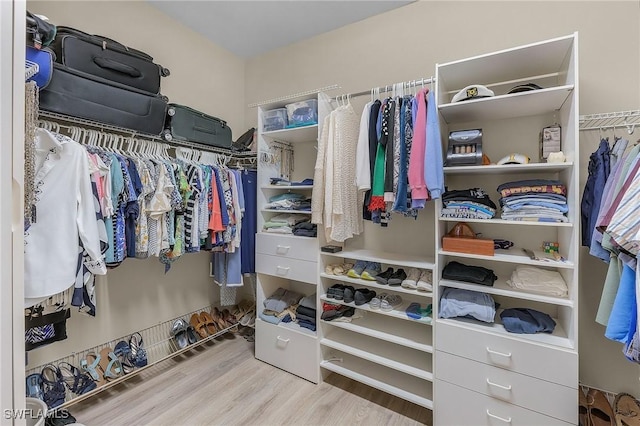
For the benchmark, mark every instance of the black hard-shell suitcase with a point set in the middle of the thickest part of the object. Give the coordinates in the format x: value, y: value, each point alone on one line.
x: 184, y: 123
x: 106, y: 58
x: 82, y: 95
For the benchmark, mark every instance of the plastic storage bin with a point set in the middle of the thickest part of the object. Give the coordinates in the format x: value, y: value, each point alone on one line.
x: 274, y: 119
x: 304, y: 113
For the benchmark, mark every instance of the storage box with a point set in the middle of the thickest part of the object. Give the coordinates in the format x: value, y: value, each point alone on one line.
x: 304, y: 113
x: 274, y: 119
x: 468, y: 245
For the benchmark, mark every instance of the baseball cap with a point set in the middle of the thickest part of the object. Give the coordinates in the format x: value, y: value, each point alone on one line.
x: 514, y: 159
x: 471, y: 92
x: 524, y: 88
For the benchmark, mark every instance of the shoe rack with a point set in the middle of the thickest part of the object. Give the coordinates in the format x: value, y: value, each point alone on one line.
x: 157, y: 342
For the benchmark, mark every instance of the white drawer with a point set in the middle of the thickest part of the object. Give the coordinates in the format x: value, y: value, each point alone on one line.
x: 538, y: 395
x: 292, y: 269
x: 556, y: 365
x: 455, y: 406
x: 287, y: 349
x: 287, y: 246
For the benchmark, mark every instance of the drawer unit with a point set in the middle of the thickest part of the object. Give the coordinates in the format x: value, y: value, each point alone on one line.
x: 293, y: 247
x: 292, y: 269
x: 544, y: 362
x: 538, y: 395
x: 287, y: 349
x: 456, y: 406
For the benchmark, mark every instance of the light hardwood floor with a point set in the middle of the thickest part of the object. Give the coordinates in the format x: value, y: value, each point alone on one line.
x: 223, y: 384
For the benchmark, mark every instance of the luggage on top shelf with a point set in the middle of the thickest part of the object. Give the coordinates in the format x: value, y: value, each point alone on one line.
x: 184, y: 123
x: 82, y: 95
x: 106, y: 58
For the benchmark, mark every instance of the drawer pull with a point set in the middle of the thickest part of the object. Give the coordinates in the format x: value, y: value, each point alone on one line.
x: 285, y: 341
x: 490, y: 383
x: 282, y: 249
x: 502, y: 419
x: 285, y: 270
x: 507, y: 355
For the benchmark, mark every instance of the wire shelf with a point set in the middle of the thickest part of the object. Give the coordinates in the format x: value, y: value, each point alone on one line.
x: 608, y: 120
x: 30, y: 69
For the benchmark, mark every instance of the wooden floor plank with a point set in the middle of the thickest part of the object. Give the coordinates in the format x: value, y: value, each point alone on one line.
x: 223, y: 384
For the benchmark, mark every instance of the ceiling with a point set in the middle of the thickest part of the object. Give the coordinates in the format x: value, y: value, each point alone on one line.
x: 250, y: 28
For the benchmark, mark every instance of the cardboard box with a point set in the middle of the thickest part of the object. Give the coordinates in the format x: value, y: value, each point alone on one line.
x: 468, y: 245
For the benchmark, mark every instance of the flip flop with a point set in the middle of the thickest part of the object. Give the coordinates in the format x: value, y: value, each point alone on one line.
x: 123, y: 352
x: 52, y: 386
x: 199, y: 326
x: 110, y: 364
x: 91, y: 365
x: 34, y: 386
x: 75, y: 380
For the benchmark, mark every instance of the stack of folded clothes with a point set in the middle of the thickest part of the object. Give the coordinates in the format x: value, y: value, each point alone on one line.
x: 538, y: 200
x: 471, y: 203
x: 285, y: 182
x: 289, y: 201
x: 526, y: 321
x: 279, y: 305
x: 537, y: 280
x: 306, y: 312
x: 285, y: 223
x: 305, y: 229
x: 466, y: 303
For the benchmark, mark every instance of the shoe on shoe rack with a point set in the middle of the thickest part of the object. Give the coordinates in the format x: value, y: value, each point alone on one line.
x: 349, y: 294
x: 334, y: 290
x: 411, y: 282
x: 383, y: 277
x: 364, y: 295
x: 330, y: 306
x: 371, y: 271
x: 390, y: 302
x: 397, y: 277
x: 357, y: 269
x: 425, y: 281
x: 377, y: 301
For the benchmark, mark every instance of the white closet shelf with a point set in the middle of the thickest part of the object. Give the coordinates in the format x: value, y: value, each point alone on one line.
x: 501, y: 288
x: 508, y: 168
x: 398, y: 312
x: 409, y: 260
x: 287, y: 211
x: 523, y: 104
x: 510, y: 256
x: 287, y: 187
x: 292, y: 326
x: 365, y: 283
x: 509, y: 222
x: 417, y: 338
x: 557, y: 338
x: 383, y: 379
x: 295, y: 237
x: 294, y: 134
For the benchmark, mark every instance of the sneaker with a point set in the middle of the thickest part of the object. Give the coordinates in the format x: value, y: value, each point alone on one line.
x: 425, y: 281
x: 349, y: 293
x: 411, y: 282
x: 364, y: 295
x: 377, y: 301
x: 390, y: 302
x: 357, y: 269
x: 334, y: 290
x: 383, y: 277
x: 397, y: 277
x: 371, y: 271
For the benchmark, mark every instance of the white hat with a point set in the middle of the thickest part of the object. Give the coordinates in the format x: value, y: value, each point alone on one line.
x: 514, y: 159
x: 472, y: 92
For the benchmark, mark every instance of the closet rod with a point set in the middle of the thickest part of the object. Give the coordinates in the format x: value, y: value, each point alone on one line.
x: 389, y: 88
x: 137, y: 135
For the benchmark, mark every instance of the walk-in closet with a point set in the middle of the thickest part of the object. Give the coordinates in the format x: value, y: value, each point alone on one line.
x: 319, y: 213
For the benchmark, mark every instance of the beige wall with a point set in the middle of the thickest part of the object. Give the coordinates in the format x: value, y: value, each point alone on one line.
x: 204, y: 76
x: 406, y: 43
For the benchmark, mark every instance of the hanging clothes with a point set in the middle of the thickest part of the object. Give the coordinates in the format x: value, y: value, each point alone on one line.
x: 599, y: 169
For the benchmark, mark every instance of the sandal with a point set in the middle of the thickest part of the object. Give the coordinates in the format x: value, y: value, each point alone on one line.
x: 138, y: 353
x: 52, y: 386
x: 218, y: 318
x: 627, y: 410
x: 76, y: 381
x: 583, y: 408
x: 123, y: 352
x: 600, y: 411
x: 209, y: 323
x: 90, y: 365
x: 179, y: 333
x: 34, y: 386
x: 199, y: 326
x: 229, y: 319
x: 110, y: 364
x: 192, y: 336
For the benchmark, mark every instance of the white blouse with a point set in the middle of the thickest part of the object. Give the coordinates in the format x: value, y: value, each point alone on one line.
x: 65, y: 216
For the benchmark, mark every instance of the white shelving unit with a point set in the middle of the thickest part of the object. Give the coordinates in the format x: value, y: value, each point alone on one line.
x: 511, y: 124
x: 284, y: 260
